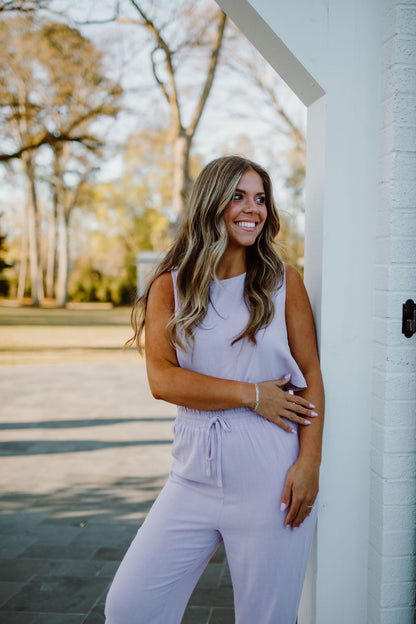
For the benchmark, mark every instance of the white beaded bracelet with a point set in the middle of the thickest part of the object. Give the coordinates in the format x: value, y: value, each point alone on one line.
x: 257, y: 397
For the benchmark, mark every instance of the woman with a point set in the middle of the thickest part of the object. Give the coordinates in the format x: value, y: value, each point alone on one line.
x: 229, y: 331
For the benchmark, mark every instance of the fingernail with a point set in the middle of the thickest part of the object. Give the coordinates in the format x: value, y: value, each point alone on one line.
x: 293, y: 431
x: 312, y: 405
x: 283, y: 506
x: 306, y: 422
x: 287, y: 376
x: 313, y: 414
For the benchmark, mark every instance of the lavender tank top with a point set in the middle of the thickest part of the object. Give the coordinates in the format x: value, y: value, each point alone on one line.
x: 226, y: 317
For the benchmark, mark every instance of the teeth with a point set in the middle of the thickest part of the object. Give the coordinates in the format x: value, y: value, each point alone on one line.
x: 246, y: 224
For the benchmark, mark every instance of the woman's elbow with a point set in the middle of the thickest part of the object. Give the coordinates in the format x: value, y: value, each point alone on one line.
x: 161, y: 382
x: 158, y: 388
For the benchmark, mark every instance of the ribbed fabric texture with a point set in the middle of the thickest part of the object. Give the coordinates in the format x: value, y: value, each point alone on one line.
x: 226, y: 317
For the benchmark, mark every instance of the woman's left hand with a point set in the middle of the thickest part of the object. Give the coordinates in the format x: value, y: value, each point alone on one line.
x: 300, y: 491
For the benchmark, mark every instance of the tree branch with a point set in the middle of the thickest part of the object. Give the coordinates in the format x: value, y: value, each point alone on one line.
x: 75, y: 193
x: 156, y: 76
x: 50, y: 139
x: 294, y: 132
x: 172, y: 95
x: 101, y: 109
x: 24, y: 6
x: 107, y: 20
x: 211, y: 73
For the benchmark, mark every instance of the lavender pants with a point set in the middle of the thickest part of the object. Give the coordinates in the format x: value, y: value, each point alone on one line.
x: 226, y: 483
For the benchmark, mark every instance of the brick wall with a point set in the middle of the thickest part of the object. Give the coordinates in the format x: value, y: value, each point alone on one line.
x: 393, y: 453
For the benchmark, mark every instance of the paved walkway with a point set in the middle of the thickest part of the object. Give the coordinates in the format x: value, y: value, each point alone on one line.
x: 84, y: 450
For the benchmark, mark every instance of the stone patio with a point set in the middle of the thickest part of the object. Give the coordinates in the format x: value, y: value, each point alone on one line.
x: 84, y: 450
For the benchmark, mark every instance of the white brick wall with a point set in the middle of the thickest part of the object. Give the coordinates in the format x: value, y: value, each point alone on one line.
x: 392, y: 547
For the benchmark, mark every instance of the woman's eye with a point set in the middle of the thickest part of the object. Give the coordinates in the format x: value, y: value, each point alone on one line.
x: 237, y: 196
x: 261, y: 200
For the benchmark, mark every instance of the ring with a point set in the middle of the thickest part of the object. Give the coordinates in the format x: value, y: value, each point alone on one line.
x: 309, y: 506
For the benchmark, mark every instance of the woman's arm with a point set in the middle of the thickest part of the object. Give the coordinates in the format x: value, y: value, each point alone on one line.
x: 177, y: 385
x: 302, y: 481
x: 170, y: 382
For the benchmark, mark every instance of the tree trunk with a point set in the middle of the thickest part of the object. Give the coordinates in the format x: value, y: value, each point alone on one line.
x: 181, y: 177
x: 21, y: 286
x: 36, y: 277
x: 51, y: 257
x: 63, y: 256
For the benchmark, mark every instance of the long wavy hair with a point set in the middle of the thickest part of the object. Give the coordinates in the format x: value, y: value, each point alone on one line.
x: 199, y: 246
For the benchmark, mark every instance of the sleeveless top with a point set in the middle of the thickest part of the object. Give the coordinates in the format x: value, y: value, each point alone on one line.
x: 227, y: 316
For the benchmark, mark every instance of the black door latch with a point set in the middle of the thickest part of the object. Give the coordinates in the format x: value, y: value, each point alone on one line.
x: 409, y: 318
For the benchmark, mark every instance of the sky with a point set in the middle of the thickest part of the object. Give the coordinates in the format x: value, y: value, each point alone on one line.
x: 234, y: 108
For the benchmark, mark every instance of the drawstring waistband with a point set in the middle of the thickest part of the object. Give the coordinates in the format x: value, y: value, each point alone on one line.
x: 214, y: 445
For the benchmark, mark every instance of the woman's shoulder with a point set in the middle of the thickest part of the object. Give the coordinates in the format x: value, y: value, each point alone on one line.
x: 161, y: 289
x: 164, y: 280
x: 295, y: 287
x: 292, y: 274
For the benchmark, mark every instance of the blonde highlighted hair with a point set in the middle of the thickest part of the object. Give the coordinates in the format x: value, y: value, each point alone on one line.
x: 200, y: 243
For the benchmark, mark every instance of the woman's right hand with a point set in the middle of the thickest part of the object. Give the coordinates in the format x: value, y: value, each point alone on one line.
x: 276, y: 403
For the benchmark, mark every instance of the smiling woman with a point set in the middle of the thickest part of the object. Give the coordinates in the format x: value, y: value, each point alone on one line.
x: 203, y: 250
x: 246, y: 214
x: 229, y: 332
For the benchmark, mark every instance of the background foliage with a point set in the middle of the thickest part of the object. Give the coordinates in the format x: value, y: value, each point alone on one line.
x: 106, y: 118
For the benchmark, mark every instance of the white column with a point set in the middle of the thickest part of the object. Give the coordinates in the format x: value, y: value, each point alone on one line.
x: 337, y: 45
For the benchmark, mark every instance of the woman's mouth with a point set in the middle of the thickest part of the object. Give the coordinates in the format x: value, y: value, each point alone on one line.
x: 247, y: 226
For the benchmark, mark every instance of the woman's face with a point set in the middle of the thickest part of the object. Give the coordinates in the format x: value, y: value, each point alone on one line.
x: 246, y: 213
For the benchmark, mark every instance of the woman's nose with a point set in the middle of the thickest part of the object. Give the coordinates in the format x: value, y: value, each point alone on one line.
x: 252, y: 205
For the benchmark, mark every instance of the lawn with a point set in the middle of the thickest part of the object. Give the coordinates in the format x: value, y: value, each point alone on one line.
x: 53, y: 336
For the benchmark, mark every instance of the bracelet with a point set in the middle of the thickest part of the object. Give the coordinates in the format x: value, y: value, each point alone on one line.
x: 257, y: 397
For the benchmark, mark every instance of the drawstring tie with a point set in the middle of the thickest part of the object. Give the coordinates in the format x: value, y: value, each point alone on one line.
x: 216, y: 424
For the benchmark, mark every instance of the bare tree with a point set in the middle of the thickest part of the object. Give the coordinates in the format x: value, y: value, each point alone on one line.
x: 171, y: 54
x: 181, y: 34
x: 65, y: 200
x: 88, y: 96
x: 51, y: 90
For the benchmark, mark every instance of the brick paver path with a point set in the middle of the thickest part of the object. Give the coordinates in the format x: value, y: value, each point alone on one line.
x: 84, y: 450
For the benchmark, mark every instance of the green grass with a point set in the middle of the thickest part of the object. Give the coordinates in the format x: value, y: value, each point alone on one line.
x: 37, y: 336
x: 58, y: 317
